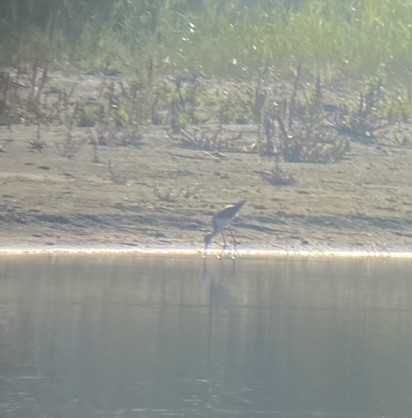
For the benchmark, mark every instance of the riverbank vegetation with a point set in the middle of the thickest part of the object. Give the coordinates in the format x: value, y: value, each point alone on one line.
x: 224, y: 38
x: 131, y: 122
x: 310, y: 76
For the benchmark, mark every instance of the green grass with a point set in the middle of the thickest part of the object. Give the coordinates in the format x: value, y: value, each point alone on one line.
x: 222, y: 38
x: 269, y: 65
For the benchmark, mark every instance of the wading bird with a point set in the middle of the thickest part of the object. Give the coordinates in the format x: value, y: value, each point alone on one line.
x: 221, y: 220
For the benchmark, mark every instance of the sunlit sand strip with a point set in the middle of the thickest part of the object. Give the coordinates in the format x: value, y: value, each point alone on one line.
x: 196, y: 252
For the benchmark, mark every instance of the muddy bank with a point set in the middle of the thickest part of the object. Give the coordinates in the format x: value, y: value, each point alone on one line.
x: 159, y: 193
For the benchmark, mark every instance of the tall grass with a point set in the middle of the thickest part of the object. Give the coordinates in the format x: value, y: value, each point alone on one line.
x: 224, y: 38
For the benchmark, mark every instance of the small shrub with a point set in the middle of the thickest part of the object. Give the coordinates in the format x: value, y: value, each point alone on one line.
x: 205, y: 139
x: 236, y: 106
x: 361, y: 121
x: 278, y: 177
x: 90, y: 115
x: 295, y: 130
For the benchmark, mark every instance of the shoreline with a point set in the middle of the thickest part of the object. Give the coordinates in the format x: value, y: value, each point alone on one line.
x: 254, y: 253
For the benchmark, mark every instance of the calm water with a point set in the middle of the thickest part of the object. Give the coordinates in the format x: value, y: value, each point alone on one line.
x: 141, y: 337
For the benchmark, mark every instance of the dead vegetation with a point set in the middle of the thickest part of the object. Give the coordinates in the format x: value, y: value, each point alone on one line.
x: 206, y: 138
x: 300, y: 121
x: 172, y: 194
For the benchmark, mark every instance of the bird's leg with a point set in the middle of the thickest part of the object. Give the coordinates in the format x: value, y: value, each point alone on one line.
x: 235, y: 242
x: 224, y: 244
